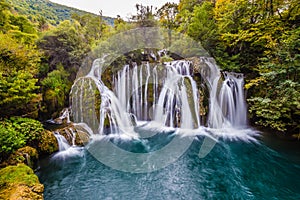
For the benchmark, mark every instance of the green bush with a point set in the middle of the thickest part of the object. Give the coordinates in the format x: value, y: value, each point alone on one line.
x: 10, y: 139
x: 30, y: 128
x: 16, y: 132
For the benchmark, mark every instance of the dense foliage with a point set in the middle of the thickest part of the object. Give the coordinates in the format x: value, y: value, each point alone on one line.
x: 19, y: 60
x: 17, y: 132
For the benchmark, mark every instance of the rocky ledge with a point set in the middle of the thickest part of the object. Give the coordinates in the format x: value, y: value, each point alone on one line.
x: 20, y: 182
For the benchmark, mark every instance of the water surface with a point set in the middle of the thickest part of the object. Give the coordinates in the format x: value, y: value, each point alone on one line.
x: 232, y: 170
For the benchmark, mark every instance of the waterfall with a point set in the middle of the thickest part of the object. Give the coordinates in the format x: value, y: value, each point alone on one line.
x: 65, y: 150
x: 227, y: 105
x: 65, y: 114
x: 232, y: 101
x: 162, y: 93
x: 177, y: 104
x: 63, y: 144
x: 71, y: 134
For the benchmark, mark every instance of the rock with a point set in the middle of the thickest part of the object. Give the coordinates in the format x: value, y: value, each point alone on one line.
x: 26, y: 193
x: 82, y: 138
x: 67, y: 132
x: 27, y: 155
x: 47, y: 144
x: 74, y: 135
x: 196, y: 64
x: 38, y: 188
x: 20, y: 182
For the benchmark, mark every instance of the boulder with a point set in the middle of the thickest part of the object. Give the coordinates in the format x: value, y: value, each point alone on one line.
x: 20, y: 182
x: 47, y: 144
x: 82, y: 138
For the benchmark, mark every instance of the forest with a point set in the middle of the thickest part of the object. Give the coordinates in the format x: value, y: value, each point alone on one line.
x: 40, y: 56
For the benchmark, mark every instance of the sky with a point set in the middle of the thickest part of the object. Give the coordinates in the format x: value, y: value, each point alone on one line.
x: 112, y: 8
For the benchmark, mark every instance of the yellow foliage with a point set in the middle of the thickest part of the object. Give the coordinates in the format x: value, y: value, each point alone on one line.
x: 255, y: 82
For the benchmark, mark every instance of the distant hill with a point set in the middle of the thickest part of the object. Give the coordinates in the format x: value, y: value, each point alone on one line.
x: 52, y: 12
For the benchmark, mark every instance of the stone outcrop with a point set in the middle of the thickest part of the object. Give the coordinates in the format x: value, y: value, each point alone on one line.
x: 20, y: 182
x: 47, y: 144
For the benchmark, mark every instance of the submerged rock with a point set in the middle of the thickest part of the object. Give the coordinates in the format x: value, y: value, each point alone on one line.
x: 20, y: 182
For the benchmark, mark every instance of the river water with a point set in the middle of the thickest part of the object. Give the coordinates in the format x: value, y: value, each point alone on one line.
x: 234, y: 169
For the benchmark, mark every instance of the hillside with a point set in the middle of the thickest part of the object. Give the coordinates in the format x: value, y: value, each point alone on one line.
x: 52, y: 12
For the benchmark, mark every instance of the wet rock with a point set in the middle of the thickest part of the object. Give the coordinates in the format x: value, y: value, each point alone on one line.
x: 82, y: 138
x: 74, y: 135
x: 196, y: 64
x: 63, y: 118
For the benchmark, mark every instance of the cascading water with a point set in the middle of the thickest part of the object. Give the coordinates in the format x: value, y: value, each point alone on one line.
x: 227, y: 106
x: 177, y: 104
x: 170, y: 99
x: 63, y: 144
x: 231, y: 99
x: 65, y: 149
x: 164, y: 93
x: 65, y: 114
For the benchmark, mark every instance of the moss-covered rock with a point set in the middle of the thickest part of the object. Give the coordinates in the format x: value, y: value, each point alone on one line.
x: 47, y: 143
x: 20, y: 182
x: 27, y: 155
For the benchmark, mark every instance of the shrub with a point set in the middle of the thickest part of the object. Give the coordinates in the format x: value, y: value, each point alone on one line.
x: 16, y: 132
x: 10, y: 139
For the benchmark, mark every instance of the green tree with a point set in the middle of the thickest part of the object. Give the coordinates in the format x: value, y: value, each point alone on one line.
x: 56, y: 87
x: 203, y: 26
x: 18, y: 67
x: 120, y: 25
x: 275, y: 97
x: 65, y: 45
x: 167, y: 15
x: 92, y: 26
x: 64, y: 48
x: 145, y: 16
x: 185, y: 10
